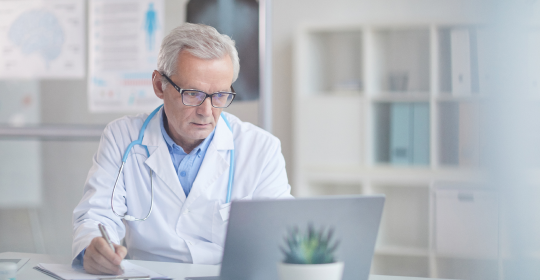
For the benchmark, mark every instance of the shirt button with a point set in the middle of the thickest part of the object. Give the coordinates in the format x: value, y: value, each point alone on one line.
x: 183, y: 173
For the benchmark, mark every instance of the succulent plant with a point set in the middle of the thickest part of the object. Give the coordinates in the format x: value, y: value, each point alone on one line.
x: 312, y: 247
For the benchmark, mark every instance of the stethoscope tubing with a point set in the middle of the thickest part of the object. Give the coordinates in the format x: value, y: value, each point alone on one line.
x: 139, y: 142
x: 231, y: 166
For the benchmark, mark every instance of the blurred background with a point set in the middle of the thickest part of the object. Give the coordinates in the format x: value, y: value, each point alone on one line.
x: 434, y: 103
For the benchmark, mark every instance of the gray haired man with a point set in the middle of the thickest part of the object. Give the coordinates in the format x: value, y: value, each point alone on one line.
x: 184, y: 168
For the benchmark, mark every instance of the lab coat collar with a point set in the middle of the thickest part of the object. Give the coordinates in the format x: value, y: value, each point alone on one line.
x: 160, y: 160
x: 215, y: 163
x: 152, y: 136
x: 223, y: 137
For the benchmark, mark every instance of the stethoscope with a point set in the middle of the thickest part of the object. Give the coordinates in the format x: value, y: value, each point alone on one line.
x: 139, y: 142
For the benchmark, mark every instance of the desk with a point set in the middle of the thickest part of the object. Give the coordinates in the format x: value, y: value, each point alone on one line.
x: 176, y: 270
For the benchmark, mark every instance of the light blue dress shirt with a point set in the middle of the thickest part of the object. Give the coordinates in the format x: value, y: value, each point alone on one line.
x: 186, y: 165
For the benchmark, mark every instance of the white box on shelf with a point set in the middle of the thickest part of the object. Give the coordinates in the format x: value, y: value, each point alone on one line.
x: 466, y: 222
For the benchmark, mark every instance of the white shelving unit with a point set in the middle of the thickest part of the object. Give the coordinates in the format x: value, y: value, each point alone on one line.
x: 350, y: 82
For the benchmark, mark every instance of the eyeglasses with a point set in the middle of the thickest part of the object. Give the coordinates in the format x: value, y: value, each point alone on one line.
x: 194, y: 97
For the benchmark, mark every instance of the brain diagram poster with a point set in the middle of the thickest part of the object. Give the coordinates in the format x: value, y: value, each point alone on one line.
x: 124, y: 41
x: 42, y: 39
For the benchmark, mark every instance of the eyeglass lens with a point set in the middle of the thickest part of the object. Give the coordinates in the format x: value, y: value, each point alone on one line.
x: 195, y: 98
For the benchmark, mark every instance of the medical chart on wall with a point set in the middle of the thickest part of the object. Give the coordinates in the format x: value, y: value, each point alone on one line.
x: 20, y: 175
x: 42, y: 39
x: 124, y: 41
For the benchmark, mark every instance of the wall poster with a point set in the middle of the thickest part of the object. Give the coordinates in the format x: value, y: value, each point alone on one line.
x: 124, y: 41
x: 42, y: 39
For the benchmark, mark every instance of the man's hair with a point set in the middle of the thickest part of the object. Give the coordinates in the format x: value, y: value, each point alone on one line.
x: 199, y: 40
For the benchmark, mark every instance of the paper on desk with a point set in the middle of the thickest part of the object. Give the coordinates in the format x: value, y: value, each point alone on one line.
x: 65, y: 271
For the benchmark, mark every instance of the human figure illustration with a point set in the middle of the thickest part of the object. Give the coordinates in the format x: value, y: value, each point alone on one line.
x: 150, y: 26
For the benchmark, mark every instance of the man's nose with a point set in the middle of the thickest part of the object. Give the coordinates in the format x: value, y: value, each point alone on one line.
x: 205, y: 108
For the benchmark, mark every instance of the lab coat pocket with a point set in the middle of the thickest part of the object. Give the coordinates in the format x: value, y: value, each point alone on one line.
x: 224, y: 211
x: 221, y: 220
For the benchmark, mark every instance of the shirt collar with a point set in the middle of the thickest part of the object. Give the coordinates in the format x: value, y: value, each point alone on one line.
x: 171, y: 145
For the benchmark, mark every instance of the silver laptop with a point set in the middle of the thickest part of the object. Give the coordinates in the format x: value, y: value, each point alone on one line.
x: 258, y: 228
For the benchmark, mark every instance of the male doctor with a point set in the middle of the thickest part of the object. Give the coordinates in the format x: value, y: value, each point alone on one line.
x: 189, y: 146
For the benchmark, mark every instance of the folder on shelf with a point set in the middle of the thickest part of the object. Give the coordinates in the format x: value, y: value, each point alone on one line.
x: 460, y: 48
x: 449, y: 133
x: 420, y: 134
x: 468, y: 135
x: 400, y: 134
x: 409, y: 134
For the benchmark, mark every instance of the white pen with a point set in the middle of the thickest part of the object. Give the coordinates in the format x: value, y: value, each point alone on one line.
x: 105, y: 235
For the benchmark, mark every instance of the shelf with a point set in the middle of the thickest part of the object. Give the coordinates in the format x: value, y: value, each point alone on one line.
x: 401, y: 97
x: 387, y: 133
x: 465, y: 257
x: 468, y: 268
x: 335, y: 61
x: 397, y: 176
x: 402, y: 251
x: 52, y: 132
x: 398, y: 265
x: 335, y: 93
x: 448, y: 97
x: 331, y: 96
x: 328, y: 129
x: 336, y: 188
x: 405, y: 219
x: 402, y: 55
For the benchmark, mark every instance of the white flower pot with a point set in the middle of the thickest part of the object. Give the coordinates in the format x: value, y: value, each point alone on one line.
x: 328, y: 271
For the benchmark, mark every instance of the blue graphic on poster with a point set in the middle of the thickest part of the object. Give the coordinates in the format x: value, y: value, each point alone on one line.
x: 150, y: 26
x: 42, y: 39
x: 38, y: 31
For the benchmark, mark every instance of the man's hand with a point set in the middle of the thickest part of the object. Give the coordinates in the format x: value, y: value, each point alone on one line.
x: 99, y: 258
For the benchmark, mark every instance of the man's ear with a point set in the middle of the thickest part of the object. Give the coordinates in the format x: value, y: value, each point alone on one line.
x: 156, y: 83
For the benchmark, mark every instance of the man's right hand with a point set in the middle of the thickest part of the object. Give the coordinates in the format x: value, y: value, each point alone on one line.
x: 99, y: 258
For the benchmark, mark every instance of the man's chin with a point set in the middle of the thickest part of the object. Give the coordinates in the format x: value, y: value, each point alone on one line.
x: 201, y: 134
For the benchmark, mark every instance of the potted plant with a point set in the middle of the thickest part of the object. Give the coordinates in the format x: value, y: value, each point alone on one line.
x: 310, y: 256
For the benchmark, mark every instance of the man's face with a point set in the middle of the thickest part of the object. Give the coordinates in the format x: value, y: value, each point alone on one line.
x: 187, y: 125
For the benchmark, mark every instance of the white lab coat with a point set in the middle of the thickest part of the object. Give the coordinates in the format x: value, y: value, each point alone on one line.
x: 179, y: 229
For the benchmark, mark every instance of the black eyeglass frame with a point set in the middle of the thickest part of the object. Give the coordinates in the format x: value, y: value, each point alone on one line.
x: 181, y: 91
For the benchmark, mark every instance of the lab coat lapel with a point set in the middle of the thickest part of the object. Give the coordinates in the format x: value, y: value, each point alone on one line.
x: 160, y: 160
x: 215, y: 162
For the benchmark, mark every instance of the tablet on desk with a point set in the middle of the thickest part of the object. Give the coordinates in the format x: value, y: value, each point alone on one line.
x: 19, y: 261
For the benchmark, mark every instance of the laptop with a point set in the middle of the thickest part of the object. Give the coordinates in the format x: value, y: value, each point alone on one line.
x: 257, y: 229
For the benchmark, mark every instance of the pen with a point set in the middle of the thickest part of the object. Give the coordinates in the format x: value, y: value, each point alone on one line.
x: 105, y: 235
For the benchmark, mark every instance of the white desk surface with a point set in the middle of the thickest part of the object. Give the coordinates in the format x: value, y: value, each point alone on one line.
x: 178, y: 271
